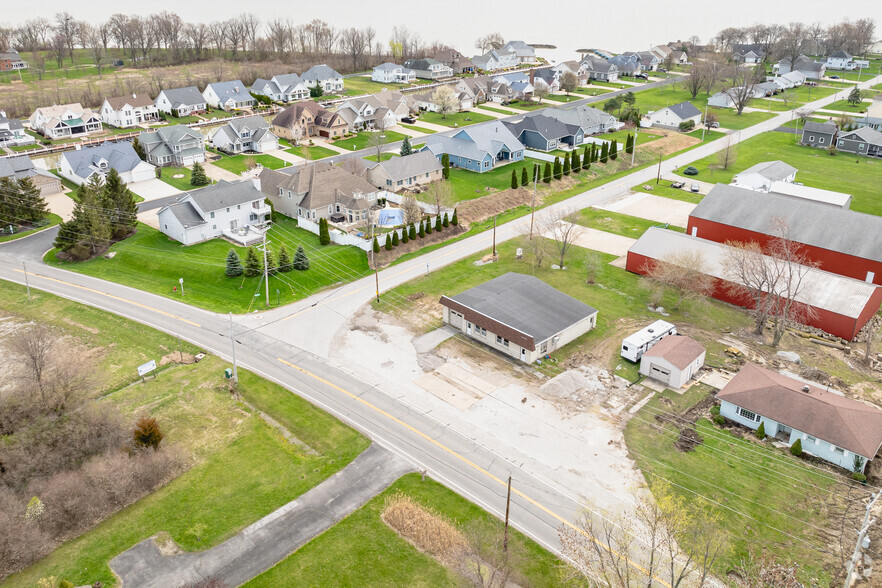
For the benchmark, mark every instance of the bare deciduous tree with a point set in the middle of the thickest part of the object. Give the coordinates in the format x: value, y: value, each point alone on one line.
x: 744, y: 81
x: 486, y: 560
x: 559, y: 226
x: 32, y: 350
x: 540, y: 90
x: 569, y: 82
x: 446, y: 100
x: 440, y: 194
x: 489, y: 41
x: 686, y: 272
x: 726, y: 157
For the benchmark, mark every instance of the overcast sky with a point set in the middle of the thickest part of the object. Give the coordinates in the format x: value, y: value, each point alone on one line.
x: 569, y: 24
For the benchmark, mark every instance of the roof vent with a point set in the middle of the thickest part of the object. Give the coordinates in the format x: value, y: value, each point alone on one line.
x: 805, y: 389
x: 651, y: 330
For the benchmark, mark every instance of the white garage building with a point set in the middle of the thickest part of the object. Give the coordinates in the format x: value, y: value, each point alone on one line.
x: 673, y: 360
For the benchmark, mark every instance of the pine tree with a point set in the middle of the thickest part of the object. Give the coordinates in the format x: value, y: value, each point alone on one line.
x: 284, y: 260
x: 524, y: 179
x: 253, y: 266
x: 558, y: 171
x: 454, y: 221
x: 546, y: 174
x: 406, y: 149
x: 444, y: 222
x: 438, y: 223
x: 324, y: 234
x: 404, y: 236
x: 514, y: 179
x: 428, y: 226
x: 376, y: 245
x: 234, y: 264
x: 411, y: 232
x: 395, y: 240
x: 33, y: 206
x: 575, y: 162
x: 271, y: 266
x: 761, y: 431
x: 855, y: 97
x: 445, y: 164
x: 629, y: 144
x: 614, y: 150
x: 121, y: 203
x: 68, y: 235
x: 566, y: 165
x: 301, y: 262
x: 796, y: 448
x: 422, y: 232
x: 604, y: 153
x: 586, y: 160
x: 139, y: 149
x: 92, y: 221
x: 388, y: 245
x: 198, y: 177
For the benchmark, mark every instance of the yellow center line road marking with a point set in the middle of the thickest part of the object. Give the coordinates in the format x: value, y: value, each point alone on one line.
x: 126, y: 300
x: 496, y: 479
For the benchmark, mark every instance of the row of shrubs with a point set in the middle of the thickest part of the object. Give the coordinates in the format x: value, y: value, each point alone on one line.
x: 411, y: 232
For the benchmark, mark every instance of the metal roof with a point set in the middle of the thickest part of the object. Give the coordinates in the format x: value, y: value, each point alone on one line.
x: 839, y: 199
x: 771, y: 170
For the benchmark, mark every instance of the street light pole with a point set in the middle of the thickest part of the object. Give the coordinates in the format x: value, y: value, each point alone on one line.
x: 27, y: 283
x: 533, y: 204
x: 233, y: 345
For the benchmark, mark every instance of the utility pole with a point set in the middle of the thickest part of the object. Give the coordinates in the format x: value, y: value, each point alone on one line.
x: 494, y: 235
x: 507, y: 505
x: 233, y: 345
x: 862, y: 533
x: 27, y: 283
x: 265, y: 266
x: 703, y: 127
x: 634, y: 144
x: 376, y: 271
x: 533, y: 204
x: 658, y: 176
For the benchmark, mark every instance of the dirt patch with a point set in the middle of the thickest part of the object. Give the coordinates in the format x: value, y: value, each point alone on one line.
x: 479, y: 209
x: 688, y: 440
x: 175, y: 357
x: 702, y: 409
x: 92, y: 330
x: 671, y: 144
x: 424, y: 528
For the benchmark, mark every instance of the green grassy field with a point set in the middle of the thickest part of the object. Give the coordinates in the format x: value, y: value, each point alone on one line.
x: 858, y: 176
x: 457, y: 119
x: 416, y: 128
x: 383, y: 157
x: 362, y: 550
x: 846, y: 106
x: 729, y: 119
x: 183, y: 183
x: 51, y: 220
x: 757, y: 481
x: 314, y: 152
x: 618, y: 224
x: 152, y: 262
x: 496, y: 110
x: 362, y: 140
x: 237, y: 163
x: 356, y: 86
x: 563, y: 97
x: 532, y: 105
x: 468, y: 184
x: 592, y: 91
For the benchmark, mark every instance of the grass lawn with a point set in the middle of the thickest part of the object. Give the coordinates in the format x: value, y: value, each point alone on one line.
x: 416, y: 129
x: 592, y: 91
x: 181, y: 120
x: 362, y: 140
x: 621, y: 136
x: 563, y: 97
x: 846, y: 106
x: 237, y: 163
x: 732, y: 471
x: 468, y: 184
x: 383, y: 157
x: 729, y: 119
x: 64, y: 181
x: 151, y: 261
x: 858, y: 176
x: 50, y: 221
x: 496, y: 110
x: 664, y: 189
x: 361, y: 550
x: 532, y: 105
x: 616, y: 223
x: 183, y: 183
x: 457, y: 119
x: 356, y: 86
x: 314, y: 152
x: 22, y: 148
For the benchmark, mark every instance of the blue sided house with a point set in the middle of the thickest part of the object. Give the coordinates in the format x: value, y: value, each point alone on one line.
x: 479, y: 148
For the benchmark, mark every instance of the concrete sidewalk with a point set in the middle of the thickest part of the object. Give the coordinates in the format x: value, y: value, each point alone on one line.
x: 272, y: 538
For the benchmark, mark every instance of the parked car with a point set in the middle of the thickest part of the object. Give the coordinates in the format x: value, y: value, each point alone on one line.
x: 642, y: 76
x: 408, y: 119
x: 712, y: 124
x: 808, y: 83
x: 663, y: 70
x: 694, y: 188
x: 834, y: 77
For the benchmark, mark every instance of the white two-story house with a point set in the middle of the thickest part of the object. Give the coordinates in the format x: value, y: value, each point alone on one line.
x: 181, y: 101
x: 281, y: 88
x: 391, y: 73
x: 329, y: 80
x: 176, y: 145
x: 245, y: 134
x: 124, y: 112
x: 233, y: 95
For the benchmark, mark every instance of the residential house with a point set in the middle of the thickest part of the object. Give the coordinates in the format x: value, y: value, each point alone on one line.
x: 721, y: 100
x: 795, y: 78
x: 833, y: 238
x: 523, y: 53
x: 873, y: 118
x: 647, y: 60
x: 833, y: 303
x: 544, y: 133
x: 319, y: 190
x: 67, y: 120
x: 573, y: 67
x: 325, y: 77
x: 811, y: 69
x: 661, y: 51
x: 425, y: 101
x: 485, y: 89
x: 478, y: 148
x: 597, y: 68
x: 546, y: 76
x: 21, y: 166
x: 391, y: 73
x: 251, y: 133
x: 10, y: 60
x: 366, y: 113
x: 519, y: 83
x: 124, y: 112
x: 80, y: 165
x: 308, y: 119
x: 235, y: 210
x: 181, y: 101
x: 519, y: 316
x: 627, y: 65
x: 456, y: 61
x: 820, y: 135
x: 665, y: 52
x: 841, y: 60
x: 404, y: 173
x: 233, y: 95
x: 839, y: 430
x: 673, y: 361
x: 495, y: 60
x: 592, y: 120
x: 760, y: 177
x: 769, y: 88
x: 748, y: 53
x: 672, y: 116
x: 862, y: 141
x: 429, y: 69
x: 12, y: 132
x: 176, y: 145
x: 281, y: 88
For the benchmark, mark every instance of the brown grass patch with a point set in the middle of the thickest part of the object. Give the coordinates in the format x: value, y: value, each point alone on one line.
x: 424, y: 528
x: 670, y: 144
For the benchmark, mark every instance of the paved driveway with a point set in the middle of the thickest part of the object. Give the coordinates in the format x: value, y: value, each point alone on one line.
x: 648, y: 206
x: 153, y: 189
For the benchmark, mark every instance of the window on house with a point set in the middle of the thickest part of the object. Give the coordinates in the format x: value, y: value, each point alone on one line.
x: 821, y: 141
x: 211, y: 214
x: 214, y: 227
x: 838, y: 450
x: 811, y: 439
x: 228, y: 210
x: 751, y: 416
x: 281, y: 191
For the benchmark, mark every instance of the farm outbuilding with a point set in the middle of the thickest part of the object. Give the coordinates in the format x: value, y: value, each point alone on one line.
x: 673, y: 361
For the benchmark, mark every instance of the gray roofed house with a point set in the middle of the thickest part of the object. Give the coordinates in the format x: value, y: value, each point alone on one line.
x: 478, y: 147
x: 598, y: 68
x: 21, y: 166
x: 820, y: 135
x: 12, y: 132
x: 429, y: 69
x: 862, y: 141
x: 281, y: 88
x: 672, y: 116
x: 184, y: 101
x: 519, y: 315
x: 812, y: 69
x: 748, y: 52
x: 80, y: 165
x: 592, y: 120
x: 251, y: 133
x: 547, y: 76
x: 176, y: 145
x: 230, y: 95
x: 525, y: 53
x: 321, y: 75
x: 401, y: 173
x: 761, y: 175
x: 545, y: 133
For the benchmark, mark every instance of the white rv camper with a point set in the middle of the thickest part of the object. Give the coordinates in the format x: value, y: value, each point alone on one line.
x: 634, y: 346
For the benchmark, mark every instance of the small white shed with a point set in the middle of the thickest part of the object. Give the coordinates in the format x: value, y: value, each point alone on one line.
x: 673, y: 360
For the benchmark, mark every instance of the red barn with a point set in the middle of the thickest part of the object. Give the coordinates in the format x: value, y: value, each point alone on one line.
x: 840, y: 241
x: 842, y: 305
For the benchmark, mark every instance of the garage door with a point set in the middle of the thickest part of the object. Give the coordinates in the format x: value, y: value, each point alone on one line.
x: 659, y: 373
x: 455, y: 319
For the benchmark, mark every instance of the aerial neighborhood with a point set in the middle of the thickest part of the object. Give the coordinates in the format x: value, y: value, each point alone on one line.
x: 292, y: 304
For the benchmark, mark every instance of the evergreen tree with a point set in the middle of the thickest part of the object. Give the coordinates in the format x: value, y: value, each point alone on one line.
x: 284, y: 260
x: 139, y: 149
x: 428, y: 226
x: 253, y: 265
x: 198, y: 177
x: 411, y: 232
x: 444, y: 222
x: 404, y: 236
x: 604, y: 153
x: 406, y: 149
x: 546, y: 174
x: 445, y: 164
x: 761, y: 431
x: 33, y: 207
x: 68, y: 235
x: 514, y: 179
x: 395, y: 240
x: 454, y: 221
x: 629, y: 144
x: 324, y: 234
x: 301, y: 262
x: 796, y: 448
x: 524, y: 179
x: 271, y: 266
x: 422, y: 232
x: 614, y: 150
x: 93, y: 222
x: 566, y: 165
x: 575, y: 162
x: 121, y: 205
x: 854, y: 98
x: 586, y: 159
x: 558, y: 171
x: 438, y: 223
x: 234, y: 264
x: 388, y: 245
x: 376, y: 245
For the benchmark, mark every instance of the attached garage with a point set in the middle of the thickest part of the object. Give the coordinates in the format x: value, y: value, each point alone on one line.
x: 673, y: 361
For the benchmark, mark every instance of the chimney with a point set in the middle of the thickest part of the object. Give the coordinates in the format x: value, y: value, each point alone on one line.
x: 256, y: 181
